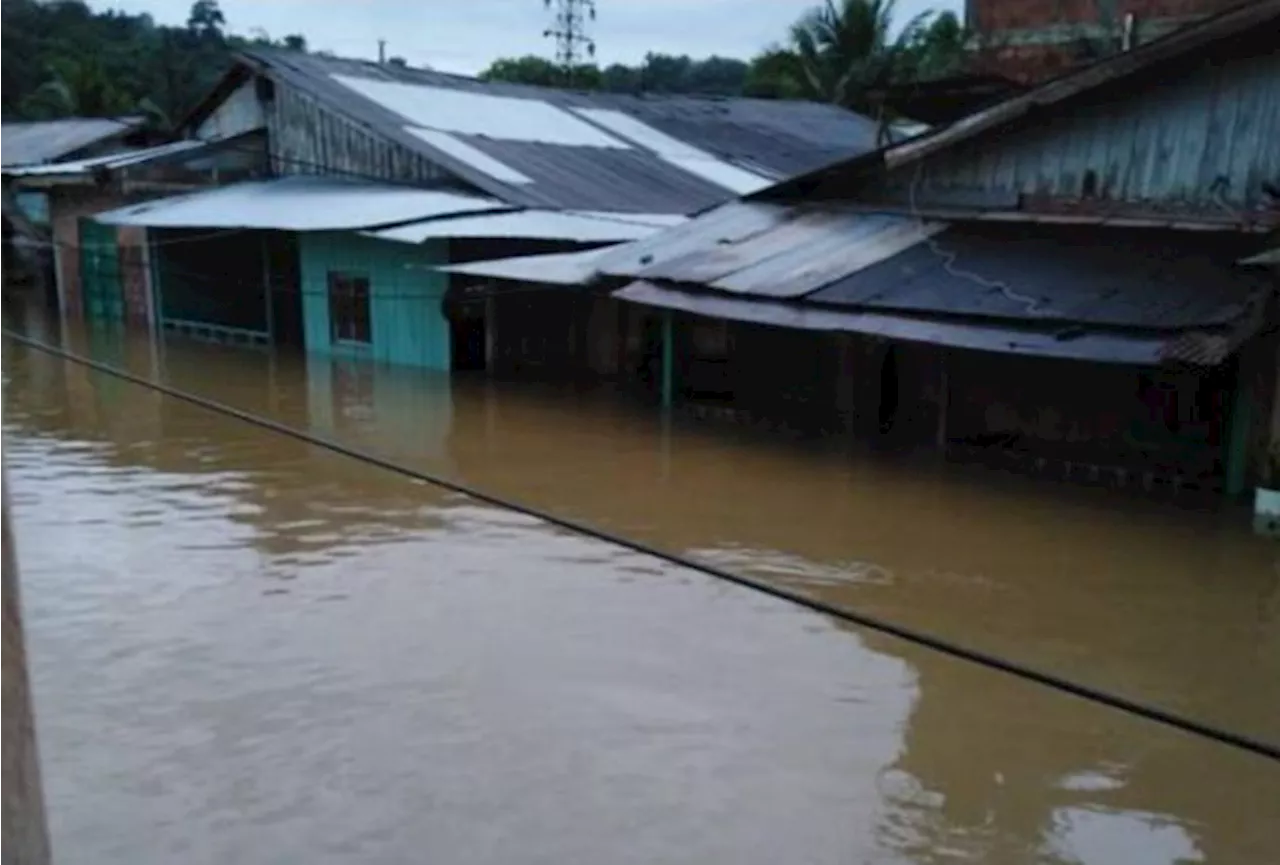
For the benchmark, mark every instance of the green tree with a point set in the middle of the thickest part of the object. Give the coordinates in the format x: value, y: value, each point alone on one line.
x: 529, y: 69
x: 206, y: 18
x: 845, y: 49
x: 80, y: 87
x: 936, y: 50
x: 775, y: 73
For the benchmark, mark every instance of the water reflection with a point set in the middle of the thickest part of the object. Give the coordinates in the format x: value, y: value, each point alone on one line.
x: 529, y: 695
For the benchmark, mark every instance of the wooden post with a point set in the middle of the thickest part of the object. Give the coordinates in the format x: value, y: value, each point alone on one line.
x: 1237, y: 456
x: 490, y: 333
x: 26, y: 835
x: 668, y: 359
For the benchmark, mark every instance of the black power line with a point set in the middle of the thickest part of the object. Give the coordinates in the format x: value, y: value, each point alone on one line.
x: 1190, y: 726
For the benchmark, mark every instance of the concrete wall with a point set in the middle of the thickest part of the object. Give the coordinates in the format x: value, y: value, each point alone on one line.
x: 406, y: 297
x: 26, y: 835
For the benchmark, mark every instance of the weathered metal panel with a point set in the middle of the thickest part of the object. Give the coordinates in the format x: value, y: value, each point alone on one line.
x: 1135, y: 349
x: 239, y: 113
x: 529, y: 224
x: 307, y: 138
x: 299, y: 203
x: 1205, y: 143
x: 1156, y: 280
x: 557, y: 268
x: 769, y: 250
x: 48, y: 140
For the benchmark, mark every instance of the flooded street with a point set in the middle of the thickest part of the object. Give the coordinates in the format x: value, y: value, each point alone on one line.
x: 249, y: 649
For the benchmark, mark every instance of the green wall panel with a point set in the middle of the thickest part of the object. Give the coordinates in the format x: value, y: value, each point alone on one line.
x: 100, y: 287
x: 406, y: 304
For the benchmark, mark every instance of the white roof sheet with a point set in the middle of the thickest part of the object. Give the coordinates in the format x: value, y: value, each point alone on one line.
x: 678, y: 153
x: 560, y: 268
x: 300, y: 203
x: 1270, y: 256
x: 581, y: 227
x: 472, y: 156
x: 505, y: 118
x: 110, y: 161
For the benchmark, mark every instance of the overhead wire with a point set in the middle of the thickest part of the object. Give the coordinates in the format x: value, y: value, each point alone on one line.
x: 1164, y: 717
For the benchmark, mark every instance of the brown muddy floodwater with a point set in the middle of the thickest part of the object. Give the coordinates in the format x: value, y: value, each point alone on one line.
x: 247, y: 649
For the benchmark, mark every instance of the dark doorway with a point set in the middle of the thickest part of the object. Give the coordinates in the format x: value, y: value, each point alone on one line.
x: 285, y: 285
x: 888, y: 412
x: 467, y: 337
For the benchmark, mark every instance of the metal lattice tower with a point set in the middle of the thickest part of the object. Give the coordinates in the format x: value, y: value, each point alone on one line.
x: 569, y: 29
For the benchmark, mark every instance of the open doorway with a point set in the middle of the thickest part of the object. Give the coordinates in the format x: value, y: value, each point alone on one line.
x: 468, y: 336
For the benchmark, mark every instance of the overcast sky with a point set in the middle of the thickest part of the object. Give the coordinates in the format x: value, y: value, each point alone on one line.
x: 464, y: 35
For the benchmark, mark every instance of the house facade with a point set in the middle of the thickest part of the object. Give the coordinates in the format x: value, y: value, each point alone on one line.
x: 98, y: 271
x: 515, y: 170
x: 1053, y: 284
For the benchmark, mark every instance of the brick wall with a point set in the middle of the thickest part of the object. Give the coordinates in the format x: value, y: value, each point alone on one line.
x: 1031, y: 40
x: 135, y: 279
x: 993, y: 16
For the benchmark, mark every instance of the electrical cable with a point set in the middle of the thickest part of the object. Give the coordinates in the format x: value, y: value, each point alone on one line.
x: 1155, y: 714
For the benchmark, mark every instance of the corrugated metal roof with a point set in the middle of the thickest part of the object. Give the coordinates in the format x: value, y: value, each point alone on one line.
x: 49, y: 140
x: 109, y: 162
x: 1115, y: 295
x: 299, y: 203
x: 1144, y: 349
x: 1150, y: 279
x: 560, y: 268
x: 557, y: 157
x: 769, y: 250
x: 533, y: 224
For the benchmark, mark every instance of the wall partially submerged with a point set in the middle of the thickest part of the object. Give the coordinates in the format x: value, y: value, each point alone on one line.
x: 23, y: 833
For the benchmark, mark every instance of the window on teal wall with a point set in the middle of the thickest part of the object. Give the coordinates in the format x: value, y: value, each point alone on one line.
x: 349, y: 307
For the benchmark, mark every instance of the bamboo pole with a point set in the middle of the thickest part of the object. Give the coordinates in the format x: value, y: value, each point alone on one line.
x: 25, y: 832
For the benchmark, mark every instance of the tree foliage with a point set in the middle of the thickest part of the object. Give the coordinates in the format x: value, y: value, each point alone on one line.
x: 836, y: 52
x: 60, y: 58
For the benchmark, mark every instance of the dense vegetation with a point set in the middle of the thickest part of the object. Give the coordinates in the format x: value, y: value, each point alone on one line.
x: 60, y: 58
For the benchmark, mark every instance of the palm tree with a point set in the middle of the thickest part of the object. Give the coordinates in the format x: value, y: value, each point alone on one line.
x: 845, y: 49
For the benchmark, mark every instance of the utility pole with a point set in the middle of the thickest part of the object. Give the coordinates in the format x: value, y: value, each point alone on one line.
x: 382, y: 52
x: 569, y: 29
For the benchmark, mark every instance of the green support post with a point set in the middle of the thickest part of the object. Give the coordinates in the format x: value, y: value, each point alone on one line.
x: 1237, y: 456
x: 668, y: 359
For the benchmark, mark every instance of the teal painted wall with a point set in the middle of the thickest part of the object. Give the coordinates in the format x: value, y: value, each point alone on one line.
x: 406, y: 303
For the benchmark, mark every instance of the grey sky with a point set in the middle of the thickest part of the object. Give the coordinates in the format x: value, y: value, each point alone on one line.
x: 464, y: 35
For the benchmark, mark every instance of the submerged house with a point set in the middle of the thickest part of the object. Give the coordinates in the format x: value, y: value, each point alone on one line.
x: 101, y: 271
x: 379, y: 176
x: 24, y: 144
x: 1052, y: 282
